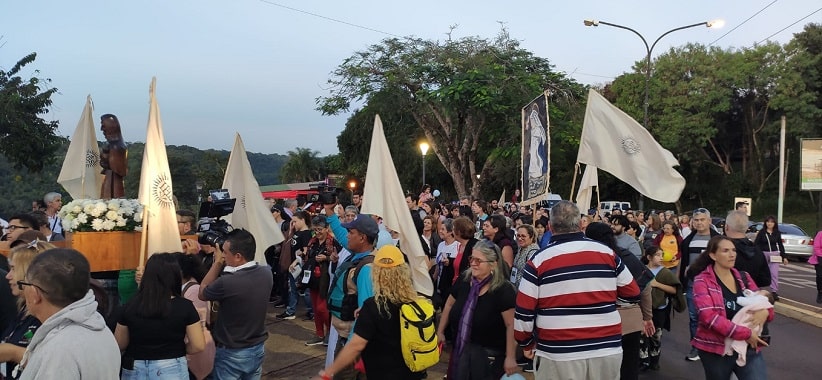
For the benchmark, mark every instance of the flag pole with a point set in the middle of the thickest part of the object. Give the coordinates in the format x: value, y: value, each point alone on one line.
x: 574, y: 181
x: 143, y: 239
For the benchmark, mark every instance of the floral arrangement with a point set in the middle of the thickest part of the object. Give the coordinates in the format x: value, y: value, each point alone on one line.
x: 88, y: 215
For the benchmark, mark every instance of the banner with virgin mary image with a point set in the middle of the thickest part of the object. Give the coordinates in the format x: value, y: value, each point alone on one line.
x: 536, y: 149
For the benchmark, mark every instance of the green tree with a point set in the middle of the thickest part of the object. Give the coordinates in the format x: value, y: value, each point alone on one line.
x: 303, y: 165
x: 25, y: 138
x: 464, y: 95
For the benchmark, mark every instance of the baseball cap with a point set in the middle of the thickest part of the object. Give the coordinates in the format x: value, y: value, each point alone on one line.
x: 27, y: 237
x: 388, y: 256
x: 364, y: 224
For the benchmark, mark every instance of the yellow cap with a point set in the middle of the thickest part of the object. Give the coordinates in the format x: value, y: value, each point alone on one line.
x: 388, y: 256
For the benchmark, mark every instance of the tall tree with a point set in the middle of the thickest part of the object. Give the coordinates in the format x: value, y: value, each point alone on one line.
x: 25, y: 138
x: 303, y: 165
x: 458, y: 92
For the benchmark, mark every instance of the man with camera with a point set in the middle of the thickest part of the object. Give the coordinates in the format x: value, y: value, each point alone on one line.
x: 242, y: 287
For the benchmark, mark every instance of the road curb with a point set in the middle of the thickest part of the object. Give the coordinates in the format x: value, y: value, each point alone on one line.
x: 802, y: 312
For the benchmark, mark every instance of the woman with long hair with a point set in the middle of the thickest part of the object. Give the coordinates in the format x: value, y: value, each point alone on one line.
x: 18, y: 334
x: 425, y: 193
x: 464, y: 231
x: 446, y: 256
x: 769, y: 241
x: 495, y: 229
x: 717, y: 285
x: 158, y: 326
x: 376, y: 336
x: 653, y: 228
x: 527, y: 243
x: 481, y: 308
x: 669, y: 240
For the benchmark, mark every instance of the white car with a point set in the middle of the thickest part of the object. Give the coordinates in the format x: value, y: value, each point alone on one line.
x: 796, y: 241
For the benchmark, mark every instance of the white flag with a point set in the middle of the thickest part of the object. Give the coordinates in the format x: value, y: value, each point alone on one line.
x: 586, y: 188
x: 615, y: 142
x: 251, y: 211
x: 501, y: 200
x: 155, y: 186
x: 383, y: 196
x: 81, y: 173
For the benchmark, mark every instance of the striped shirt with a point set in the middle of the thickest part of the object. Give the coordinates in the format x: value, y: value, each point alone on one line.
x: 567, y: 300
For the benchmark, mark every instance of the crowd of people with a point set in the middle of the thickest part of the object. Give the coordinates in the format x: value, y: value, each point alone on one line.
x: 558, y: 292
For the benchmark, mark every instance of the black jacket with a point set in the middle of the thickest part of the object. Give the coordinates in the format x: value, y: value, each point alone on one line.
x: 686, y: 255
x: 750, y: 259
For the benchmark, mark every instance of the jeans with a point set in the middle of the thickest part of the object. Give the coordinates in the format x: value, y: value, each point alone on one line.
x: 239, y: 363
x: 693, y: 316
x: 720, y: 367
x: 163, y: 369
x: 293, y: 297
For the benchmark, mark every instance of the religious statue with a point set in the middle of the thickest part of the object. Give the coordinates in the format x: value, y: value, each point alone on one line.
x: 113, y: 158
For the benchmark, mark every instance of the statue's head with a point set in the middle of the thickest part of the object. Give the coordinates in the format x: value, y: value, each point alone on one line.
x: 111, y: 128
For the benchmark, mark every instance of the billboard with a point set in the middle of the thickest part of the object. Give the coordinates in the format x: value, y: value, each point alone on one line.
x: 810, y: 177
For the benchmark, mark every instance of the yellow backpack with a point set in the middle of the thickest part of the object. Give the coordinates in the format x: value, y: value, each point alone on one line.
x: 418, y: 335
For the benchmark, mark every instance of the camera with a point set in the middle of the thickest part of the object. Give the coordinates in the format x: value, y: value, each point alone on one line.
x: 211, y: 230
x: 326, y: 195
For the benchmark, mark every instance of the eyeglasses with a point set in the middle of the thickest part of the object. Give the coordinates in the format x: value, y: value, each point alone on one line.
x: 476, y: 260
x: 21, y: 284
x: 13, y: 227
x: 519, y: 236
x: 318, y: 229
x: 701, y: 210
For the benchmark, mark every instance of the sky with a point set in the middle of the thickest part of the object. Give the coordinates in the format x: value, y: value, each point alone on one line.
x: 256, y: 67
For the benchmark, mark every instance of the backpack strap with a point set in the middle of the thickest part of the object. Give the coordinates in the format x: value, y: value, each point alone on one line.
x: 187, y: 286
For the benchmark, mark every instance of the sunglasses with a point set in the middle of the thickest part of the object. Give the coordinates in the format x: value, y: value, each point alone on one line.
x: 701, y: 210
x: 476, y: 260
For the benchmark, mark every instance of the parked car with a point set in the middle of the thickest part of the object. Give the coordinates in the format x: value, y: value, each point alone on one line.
x: 797, y: 243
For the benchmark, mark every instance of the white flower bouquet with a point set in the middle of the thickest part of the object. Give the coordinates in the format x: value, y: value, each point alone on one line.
x: 90, y: 215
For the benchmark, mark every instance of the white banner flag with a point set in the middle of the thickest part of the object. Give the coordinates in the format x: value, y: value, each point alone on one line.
x: 615, y: 142
x: 251, y: 211
x: 383, y: 196
x: 586, y: 188
x: 81, y: 174
x: 155, y: 186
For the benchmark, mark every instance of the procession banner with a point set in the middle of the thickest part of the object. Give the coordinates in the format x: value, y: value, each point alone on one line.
x: 383, y: 196
x: 536, y: 151
x: 251, y: 211
x: 81, y: 174
x: 156, y: 193
x: 613, y: 141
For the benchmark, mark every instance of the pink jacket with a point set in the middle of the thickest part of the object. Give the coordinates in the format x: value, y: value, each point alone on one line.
x: 817, y: 249
x: 714, y: 325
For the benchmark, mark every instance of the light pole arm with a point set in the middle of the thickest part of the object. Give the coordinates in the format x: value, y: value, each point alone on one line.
x: 647, y: 49
x: 669, y: 32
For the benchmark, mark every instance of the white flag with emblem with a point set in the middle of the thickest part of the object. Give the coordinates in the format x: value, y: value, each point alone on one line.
x: 156, y: 195
x: 615, y: 142
x: 586, y: 188
x: 383, y: 196
x: 251, y: 211
x: 81, y: 173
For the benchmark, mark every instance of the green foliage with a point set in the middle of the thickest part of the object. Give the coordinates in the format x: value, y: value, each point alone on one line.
x: 303, y: 165
x: 189, y: 167
x: 26, y: 140
x: 463, y: 95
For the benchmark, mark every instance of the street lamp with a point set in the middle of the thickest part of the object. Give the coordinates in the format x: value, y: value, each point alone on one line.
x: 424, y: 149
x: 648, y: 50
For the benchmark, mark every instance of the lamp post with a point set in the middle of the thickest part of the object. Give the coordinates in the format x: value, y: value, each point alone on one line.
x: 648, y: 50
x: 424, y: 149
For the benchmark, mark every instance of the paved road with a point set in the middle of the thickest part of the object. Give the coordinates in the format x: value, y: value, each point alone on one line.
x: 794, y: 353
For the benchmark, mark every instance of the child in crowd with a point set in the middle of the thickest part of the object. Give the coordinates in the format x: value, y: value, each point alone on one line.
x: 665, y: 285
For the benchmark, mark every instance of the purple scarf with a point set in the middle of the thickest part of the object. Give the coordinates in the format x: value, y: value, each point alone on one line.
x: 464, y: 330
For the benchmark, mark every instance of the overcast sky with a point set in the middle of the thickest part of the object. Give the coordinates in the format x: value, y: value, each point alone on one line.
x: 256, y: 67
